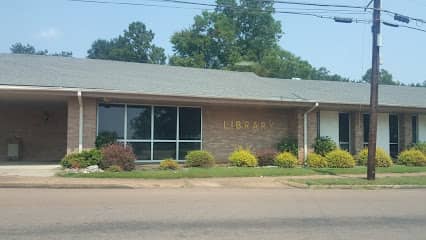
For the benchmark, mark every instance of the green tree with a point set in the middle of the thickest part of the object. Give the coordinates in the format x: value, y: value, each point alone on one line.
x: 386, y: 78
x: 135, y: 45
x: 19, y: 48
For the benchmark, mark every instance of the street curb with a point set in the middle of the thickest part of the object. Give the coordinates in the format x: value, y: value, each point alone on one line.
x: 64, y: 186
x: 366, y: 187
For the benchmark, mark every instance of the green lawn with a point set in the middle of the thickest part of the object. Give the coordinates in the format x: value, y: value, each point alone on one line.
x: 411, y: 180
x: 237, y: 172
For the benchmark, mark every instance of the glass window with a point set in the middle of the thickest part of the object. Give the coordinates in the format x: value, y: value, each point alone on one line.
x: 111, y: 119
x: 138, y: 122
x: 165, y: 120
x: 414, y: 127
x: 163, y: 150
x: 394, y: 135
x: 185, y: 147
x: 142, y: 150
x: 366, y: 122
x: 189, y: 123
x: 344, y: 131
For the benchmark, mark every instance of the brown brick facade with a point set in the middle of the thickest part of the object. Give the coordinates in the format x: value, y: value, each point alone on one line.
x: 227, y: 127
x: 40, y: 127
x: 89, y: 123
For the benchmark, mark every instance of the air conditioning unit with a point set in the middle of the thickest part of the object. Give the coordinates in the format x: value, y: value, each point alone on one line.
x: 14, y: 149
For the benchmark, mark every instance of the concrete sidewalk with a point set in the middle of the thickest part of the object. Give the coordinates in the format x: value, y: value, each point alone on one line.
x: 29, y: 170
x: 236, y: 182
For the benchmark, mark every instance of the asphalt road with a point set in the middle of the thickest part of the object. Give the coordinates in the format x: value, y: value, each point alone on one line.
x: 212, y: 214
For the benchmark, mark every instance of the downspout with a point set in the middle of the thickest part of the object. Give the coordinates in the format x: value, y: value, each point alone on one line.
x: 80, y: 125
x: 305, y: 132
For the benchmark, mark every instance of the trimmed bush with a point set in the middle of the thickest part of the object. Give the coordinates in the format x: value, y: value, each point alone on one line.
x: 288, y: 144
x: 340, y: 159
x: 412, y: 157
x: 169, y: 164
x: 199, y: 158
x: 286, y: 160
x: 105, y: 139
x: 242, y: 158
x: 265, y: 156
x: 114, y: 168
x: 383, y: 159
x: 82, y: 160
x: 421, y: 146
x: 316, y: 161
x: 324, y: 145
x: 119, y: 155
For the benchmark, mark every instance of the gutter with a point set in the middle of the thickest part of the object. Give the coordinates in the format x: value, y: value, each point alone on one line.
x: 80, y: 125
x: 305, y: 132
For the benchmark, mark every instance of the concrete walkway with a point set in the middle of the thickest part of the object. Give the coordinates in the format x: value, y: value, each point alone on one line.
x: 29, y: 170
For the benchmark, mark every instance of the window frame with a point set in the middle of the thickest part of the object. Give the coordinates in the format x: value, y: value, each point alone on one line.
x: 152, y: 141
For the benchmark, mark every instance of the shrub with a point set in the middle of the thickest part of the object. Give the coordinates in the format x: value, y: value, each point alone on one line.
x: 82, y: 160
x: 169, y: 164
x: 288, y: 144
x: 117, y: 154
x: 340, y: 159
x: 114, y: 168
x: 324, y: 145
x: 199, y: 158
x: 265, y: 156
x: 286, y: 160
x: 421, y: 146
x: 105, y: 139
x: 316, y: 161
x: 412, y: 157
x: 242, y: 158
x: 383, y: 159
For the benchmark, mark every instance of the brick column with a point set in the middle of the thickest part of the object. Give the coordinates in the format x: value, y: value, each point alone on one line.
x: 89, y: 123
x: 405, y: 131
x: 312, y: 132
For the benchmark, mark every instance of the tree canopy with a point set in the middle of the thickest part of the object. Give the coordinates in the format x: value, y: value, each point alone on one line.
x: 134, y: 45
x: 386, y: 78
x: 241, y: 36
x: 19, y: 48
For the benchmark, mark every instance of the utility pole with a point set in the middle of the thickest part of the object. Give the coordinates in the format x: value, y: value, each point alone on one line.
x: 374, y: 92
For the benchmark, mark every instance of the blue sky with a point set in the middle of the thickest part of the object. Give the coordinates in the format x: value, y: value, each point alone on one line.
x: 342, y: 48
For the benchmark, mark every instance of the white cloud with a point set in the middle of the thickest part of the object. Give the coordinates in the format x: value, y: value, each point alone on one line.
x: 50, y: 33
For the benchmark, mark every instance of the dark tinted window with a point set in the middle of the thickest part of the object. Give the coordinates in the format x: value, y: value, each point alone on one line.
x: 138, y: 122
x: 164, y: 150
x: 185, y: 147
x: 344, y: 131
x: 414, y: 126
x: 394, y: 135
x: 111, y: 119
x: 165, y: 123
x: 366, y: 127
x: 142, y: 150
x: 189, y: 123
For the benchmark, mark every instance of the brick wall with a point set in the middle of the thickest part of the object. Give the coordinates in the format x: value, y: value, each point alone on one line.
x: 40, y: 127
x: 89, y: 123
x: 226, y: 127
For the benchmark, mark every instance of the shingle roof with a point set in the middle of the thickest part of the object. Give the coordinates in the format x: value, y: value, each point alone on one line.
x: 47, y: 71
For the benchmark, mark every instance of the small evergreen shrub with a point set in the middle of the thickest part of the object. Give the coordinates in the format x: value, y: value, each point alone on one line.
x: 105, y: 139
x: 199, y: 158
x: 286, y: 160
x: 82, y: 160
x: 412, y: 157
x: 265, y: 156
x: 316, y: 161
x: 383, y: 159
x: 288, y: 144
x: 242, y: 158
x: 169, y: 164
x: 114, y: 168
x: 421, y: 146
x: 324, y: 145
x: 340, y: 159
x: 119, y: 155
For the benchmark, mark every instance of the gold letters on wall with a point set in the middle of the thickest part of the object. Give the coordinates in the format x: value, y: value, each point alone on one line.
x: 242, y: 125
